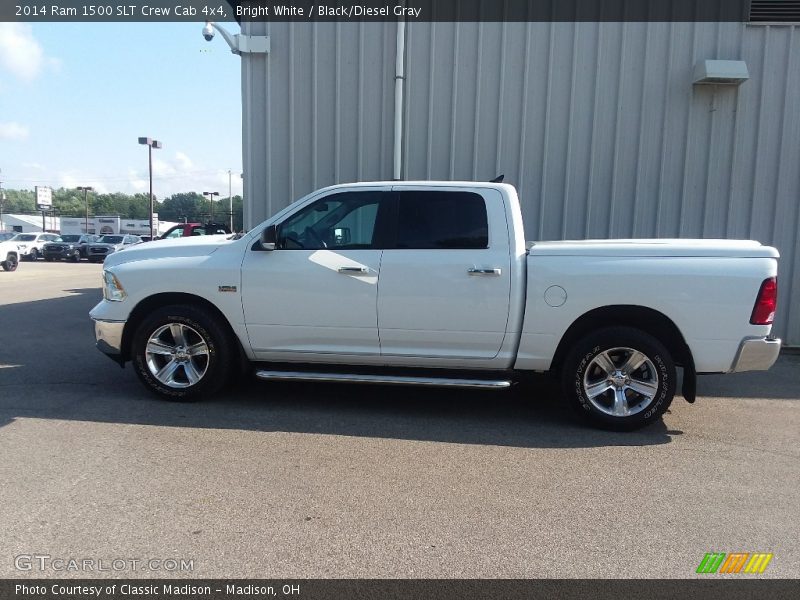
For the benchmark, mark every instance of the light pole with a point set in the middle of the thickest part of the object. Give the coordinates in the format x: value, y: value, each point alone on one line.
x: 211, y: 197
x: 150, y: 143
x: 2, y: 201
x: 86, y: 189
x: 230, y: 201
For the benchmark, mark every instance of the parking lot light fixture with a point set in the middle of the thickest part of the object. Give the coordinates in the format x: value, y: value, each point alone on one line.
x: 150, y: 143
x: 211, y: 197
x: 86, y: 189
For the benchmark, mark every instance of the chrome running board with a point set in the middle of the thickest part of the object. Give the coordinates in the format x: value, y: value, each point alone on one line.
x: 483, y: 384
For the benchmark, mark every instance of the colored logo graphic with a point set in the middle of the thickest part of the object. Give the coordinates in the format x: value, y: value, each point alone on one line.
x: 736, y: 562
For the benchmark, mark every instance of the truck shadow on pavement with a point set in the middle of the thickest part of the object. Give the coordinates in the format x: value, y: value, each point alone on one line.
x: 49, y: 369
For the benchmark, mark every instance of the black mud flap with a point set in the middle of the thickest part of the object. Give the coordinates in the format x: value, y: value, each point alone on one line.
x: 689, y: 388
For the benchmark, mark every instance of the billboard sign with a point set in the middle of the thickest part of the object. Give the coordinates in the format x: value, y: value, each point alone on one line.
x: 44, y: 197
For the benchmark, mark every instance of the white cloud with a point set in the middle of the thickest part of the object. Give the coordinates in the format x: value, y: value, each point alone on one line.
x: 12, y: 130
x: 179, y: 173
x: 21, y: 53
x: 184, y: 162
x: 71, y: 180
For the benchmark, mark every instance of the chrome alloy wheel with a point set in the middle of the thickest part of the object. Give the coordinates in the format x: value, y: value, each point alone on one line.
x: 620, y: 382
x: 177, y: 355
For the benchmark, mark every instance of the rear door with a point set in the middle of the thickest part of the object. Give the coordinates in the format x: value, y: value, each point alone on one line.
x: 445, y: 285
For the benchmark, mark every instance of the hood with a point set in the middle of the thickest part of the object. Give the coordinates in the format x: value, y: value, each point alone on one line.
x: 201, y: 245
x: 6, y: 246
x: 654, y: 247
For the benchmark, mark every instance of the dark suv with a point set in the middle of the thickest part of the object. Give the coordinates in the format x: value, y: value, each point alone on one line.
x: 70, y: 246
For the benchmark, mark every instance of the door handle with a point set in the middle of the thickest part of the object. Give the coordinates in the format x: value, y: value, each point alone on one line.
x: 353, y: 270
x: 477, y: 271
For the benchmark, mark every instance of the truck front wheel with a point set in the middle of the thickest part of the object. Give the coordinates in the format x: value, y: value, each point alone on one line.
x: 182, y: 353
x: 619, y: 378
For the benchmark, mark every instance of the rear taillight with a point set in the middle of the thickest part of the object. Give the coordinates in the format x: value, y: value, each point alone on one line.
x: 766, y: 303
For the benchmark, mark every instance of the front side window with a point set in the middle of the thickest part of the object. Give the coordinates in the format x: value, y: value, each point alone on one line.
x: 176, y: 233
x: 442, y: 220
x: 345, y: 221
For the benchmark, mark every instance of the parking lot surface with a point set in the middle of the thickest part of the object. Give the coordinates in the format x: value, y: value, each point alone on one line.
x: 301, y: 480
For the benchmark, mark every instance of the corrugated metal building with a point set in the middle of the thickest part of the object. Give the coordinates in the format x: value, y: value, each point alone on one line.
x: 598, y: 125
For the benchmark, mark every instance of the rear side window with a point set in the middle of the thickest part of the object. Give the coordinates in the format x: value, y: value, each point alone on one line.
x: 442, y: 220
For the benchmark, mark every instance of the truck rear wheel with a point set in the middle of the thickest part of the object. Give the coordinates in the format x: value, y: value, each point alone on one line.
x: 619, y: 378
x: 182, y: 353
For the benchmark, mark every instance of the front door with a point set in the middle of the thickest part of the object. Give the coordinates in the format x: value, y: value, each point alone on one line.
x: 316, y: 294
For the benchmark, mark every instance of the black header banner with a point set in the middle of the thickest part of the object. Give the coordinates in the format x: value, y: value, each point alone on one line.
x: 373, y: 10
x: 711, y: 588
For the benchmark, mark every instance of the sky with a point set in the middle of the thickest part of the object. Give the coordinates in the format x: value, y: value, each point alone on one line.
x: 75, y: 98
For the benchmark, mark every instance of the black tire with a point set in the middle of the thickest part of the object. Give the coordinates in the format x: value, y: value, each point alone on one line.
x: 211, y: 366
x: 48, y: 259
x: 10, y: 263
x: 77, y: 256
x: 34, y: 254
x: 600, y: 391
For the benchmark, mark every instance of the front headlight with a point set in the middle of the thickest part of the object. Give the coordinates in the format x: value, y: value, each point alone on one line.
x: 112, y: 288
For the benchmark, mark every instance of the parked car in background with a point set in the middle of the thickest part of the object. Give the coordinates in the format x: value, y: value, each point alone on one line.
x: 190, y: 229
x: 31, y: 245
x: 7, y: 235
x: 108, y: 244
x: 9, y: 256
x: 70, y: 246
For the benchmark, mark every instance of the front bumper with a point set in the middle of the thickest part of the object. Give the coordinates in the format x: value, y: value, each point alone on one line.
x: 108, y: 338
x: 58, y: 252
x: 756, y: 354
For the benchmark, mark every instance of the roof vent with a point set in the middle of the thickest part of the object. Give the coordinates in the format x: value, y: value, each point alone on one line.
x: 775, y: 11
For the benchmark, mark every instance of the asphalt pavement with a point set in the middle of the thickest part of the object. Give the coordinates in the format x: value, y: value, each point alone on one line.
x: 325, y: 480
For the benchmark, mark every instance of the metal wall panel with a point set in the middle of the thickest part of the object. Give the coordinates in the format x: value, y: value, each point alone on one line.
x: 597, y: 124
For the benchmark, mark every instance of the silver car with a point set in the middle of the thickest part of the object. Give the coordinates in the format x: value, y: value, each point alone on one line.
x: 108, y: 244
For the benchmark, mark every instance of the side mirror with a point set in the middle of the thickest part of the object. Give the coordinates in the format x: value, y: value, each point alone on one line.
x: 269, y: 237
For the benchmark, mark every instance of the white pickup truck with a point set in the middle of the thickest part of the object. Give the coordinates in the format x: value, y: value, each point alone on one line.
x: 432, y: 283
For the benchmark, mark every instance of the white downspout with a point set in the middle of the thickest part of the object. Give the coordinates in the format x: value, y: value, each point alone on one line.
x: 399, y: 75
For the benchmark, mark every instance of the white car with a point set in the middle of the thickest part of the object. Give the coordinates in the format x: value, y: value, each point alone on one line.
x: 433, y: 283
x: 9, y: 256
x: 31, y: 245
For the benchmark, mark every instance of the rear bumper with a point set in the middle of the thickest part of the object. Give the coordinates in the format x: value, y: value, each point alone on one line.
x: 756, y: 354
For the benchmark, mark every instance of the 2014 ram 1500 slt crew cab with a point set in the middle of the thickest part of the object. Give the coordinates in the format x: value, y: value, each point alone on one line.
x: 432, y: 283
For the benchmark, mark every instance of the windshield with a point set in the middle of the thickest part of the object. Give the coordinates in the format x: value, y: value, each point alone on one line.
x: 24, y: 237
x: 6, y: 236
x: 69, y: 238
x: 110, y: 239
